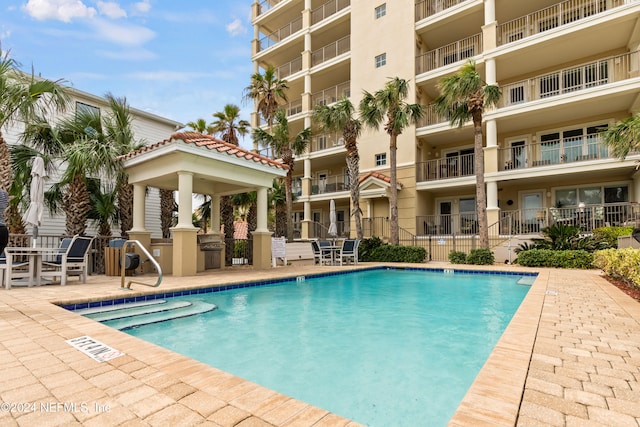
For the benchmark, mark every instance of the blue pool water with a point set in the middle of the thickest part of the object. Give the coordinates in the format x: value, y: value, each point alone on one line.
x: 381, y: 347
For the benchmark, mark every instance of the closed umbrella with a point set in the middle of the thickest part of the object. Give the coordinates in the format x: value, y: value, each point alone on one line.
x: 33, y: 215
x: 333, y: 228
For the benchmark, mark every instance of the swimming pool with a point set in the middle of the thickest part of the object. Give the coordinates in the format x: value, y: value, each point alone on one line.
x: 382, y: 347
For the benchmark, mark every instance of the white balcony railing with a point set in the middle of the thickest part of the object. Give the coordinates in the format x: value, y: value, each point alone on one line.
x: 328, y: 9
x: 332, y: 94
x: 266, y: 5
x: 426, y: 8
x: 330, y: 184
x: 330, y: 51
x: 551, y: 17
x: 280, y: 34
x: 448, y: 167
x: 326, y: 141
x: 449, y: 54
x: 289, y: 68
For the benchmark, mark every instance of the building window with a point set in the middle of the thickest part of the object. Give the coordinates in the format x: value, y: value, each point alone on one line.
x: 381, y: 159
x: 381, y: 60
x: 81, y: 107
x: 381, y: 10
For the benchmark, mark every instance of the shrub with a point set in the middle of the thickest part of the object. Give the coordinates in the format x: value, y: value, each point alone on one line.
x: 393, y: 253
x: 559, y: 259
x: 610, y: 234
x: 239, y: 248
x: 457, y: 257
x: 619, y: 263
x: 366, y: 246
x: 480, y: 257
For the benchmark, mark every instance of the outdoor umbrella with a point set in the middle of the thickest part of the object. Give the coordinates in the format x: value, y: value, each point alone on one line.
x: 333, y: 228
x: 33, y: 215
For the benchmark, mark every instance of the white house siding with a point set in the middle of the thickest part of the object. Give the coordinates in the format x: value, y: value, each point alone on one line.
x: 148, y: 128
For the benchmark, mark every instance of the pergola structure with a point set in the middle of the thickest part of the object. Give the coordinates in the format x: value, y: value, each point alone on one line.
x: 190, y: 162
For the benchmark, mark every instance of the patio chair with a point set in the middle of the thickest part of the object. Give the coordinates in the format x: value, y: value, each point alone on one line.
x: 21, y: 272
x: 320, y: 256
x: 72, y: 260
x: 349, y: 251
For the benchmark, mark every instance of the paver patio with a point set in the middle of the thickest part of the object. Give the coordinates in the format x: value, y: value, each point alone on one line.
x: 570, y: 356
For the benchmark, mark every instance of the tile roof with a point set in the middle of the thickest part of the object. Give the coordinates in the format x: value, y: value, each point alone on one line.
x: 376, y: 175
x: 210, y: 142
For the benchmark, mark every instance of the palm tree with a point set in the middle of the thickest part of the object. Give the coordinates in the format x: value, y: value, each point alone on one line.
x: 228, y: 124
x: 104, y: 209
x: 464, y: 95
x: 339, y: 118
x: 267, y: 91
x: 201, y: 126
x: 167, y: 207
x: 389, y: 102
x: 278, y: 200
x: 623, y: 137
x: 285, y: 148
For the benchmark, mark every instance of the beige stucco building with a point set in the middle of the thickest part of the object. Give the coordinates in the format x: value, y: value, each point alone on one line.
x: 566, y: 69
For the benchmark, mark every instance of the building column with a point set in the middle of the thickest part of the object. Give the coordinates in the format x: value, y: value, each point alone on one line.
x: 185, y: 245
x: 214, y: 234
x: 262, y: 236
x: 491, y: 151
x: 493, y: 211
x: 306, y: 192
x: 138, y: 231
x: 635, y: 194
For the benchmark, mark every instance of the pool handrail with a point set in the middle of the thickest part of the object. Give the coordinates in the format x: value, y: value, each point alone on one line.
x: 125, y: 245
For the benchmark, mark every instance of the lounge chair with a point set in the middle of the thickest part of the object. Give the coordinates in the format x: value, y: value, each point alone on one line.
x: 19, y: 273
x: 70, y: 261
x: 320, y: 256
x: 349, y: 251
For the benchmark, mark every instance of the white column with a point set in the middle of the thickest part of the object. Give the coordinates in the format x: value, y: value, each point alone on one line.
x: 139, y: 212
x: 492, y: 133
x: 489, y: 11
x: 185, y: 201
x: 215, y: 213
x: 262, y: 207
x: 492, y: 195
x: 490, y: 70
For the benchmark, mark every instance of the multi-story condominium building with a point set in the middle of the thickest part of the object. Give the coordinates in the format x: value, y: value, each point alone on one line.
x: 567, y: 70
x: 148, y: 128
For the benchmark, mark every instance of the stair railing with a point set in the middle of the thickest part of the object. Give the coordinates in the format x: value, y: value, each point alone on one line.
x: 149, y: 258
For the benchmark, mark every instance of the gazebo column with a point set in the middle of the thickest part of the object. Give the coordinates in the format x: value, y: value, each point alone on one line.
x: 185, y: 245
x: 139, y: 232
x: 262, y: 235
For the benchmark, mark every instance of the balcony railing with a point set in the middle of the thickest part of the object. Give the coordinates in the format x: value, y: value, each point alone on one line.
x: 427, y: 8
x: 332, y: 94
x: 326, y: 10
x: 293, y: 108
x: 330, y: 51
x: 431, y: 117
x: 552, y: 17
x: 266, y: 5
x: 449, y: 54
x: 448, y: 167
x: 326, y: 141
x: 553, y: 152
x: 289, y: 68
x: 465, y: 223
x: 280, y: 34
x: 330, y: 184
x: 573, y: 79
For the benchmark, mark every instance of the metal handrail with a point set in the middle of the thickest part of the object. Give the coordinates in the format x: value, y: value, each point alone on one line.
x: 122, y: 266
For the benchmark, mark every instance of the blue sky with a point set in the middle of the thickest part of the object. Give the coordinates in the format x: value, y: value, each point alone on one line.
x: 179, y: 59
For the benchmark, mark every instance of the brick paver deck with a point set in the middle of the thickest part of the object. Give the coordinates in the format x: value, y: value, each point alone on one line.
x: 570, y: 356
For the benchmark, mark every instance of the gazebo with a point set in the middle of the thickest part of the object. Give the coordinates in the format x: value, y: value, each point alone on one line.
x: 189, y: 162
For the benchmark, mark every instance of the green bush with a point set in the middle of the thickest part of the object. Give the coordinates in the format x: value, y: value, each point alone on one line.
x: 610, y: 234
x: 366, y: 246
x: 393, y: 253
x: 239, y: 248
x: 457, y: 257
x: 559, y: 259
x: 620, y: 263
x: 480, y: 257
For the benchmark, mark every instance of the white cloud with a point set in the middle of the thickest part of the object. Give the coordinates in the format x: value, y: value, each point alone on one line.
x: 111, y: 9
x: 123, y: 34
x: 129, y: 55
x: 168, y: 75
x: 61, y: 10
x: 142, y: 7
x: 236, y: 28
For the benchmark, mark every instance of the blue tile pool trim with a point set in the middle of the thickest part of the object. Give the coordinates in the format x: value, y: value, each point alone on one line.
x: 220, y: 288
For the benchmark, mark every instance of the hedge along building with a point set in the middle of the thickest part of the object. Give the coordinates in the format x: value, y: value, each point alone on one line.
x: 194, y: 163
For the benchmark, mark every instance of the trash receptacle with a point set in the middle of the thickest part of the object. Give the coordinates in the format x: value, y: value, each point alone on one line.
x: 211, y: 249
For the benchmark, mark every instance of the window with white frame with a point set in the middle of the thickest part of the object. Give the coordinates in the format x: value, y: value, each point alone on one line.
x: 381, y: 10
x: 381, y: 159
x: 381, y: 60
x: 592, y: 195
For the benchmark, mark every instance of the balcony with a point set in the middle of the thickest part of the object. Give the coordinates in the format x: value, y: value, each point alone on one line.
x: 465, y: 223
x: 280, y: 34
x: 332, y: 94
x: 266, y: 5
x: 426, y: 8
x: 573, y: 79
x: 293, y: 107
x: 330, y: 51
x: 551, y: 17
x: 328, y: 9
x: 326, y: 141
x: 445, y: 168
x: 330, y: 184
x: 289, y: 68
x: 449, y: 54
x: 554, y: 152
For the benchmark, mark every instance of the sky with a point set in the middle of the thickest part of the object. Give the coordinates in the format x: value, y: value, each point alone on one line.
x: 180, y: 59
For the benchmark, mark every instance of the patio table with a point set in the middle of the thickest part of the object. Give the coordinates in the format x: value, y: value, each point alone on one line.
x: 34, y: 257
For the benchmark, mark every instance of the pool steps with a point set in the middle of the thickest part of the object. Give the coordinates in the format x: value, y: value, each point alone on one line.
x: 125, y: 316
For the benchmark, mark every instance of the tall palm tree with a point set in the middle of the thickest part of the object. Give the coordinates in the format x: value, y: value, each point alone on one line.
x: 104, y: 209
x: 339, y: 118
x: 465, y: 95
x: 623, y: 137
x: 201, y: 126
x: 389, y: 103
x: 268, y: 92
x: 278, y: 200
x: 286, y: 148
x: 228, y: 124
x: 167, y: 207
